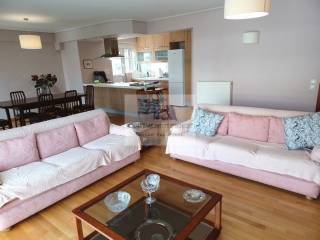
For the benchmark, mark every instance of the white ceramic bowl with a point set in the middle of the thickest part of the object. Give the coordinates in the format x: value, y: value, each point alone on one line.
x: 117, y: 201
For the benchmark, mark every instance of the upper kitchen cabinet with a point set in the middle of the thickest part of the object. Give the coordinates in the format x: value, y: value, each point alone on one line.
x: 161, y: 41
x: 178, y: 36
x: 145, y: 43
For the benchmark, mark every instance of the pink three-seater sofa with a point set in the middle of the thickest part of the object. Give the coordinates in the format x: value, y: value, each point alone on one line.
x: 250, y: 143
x: 43, y: 163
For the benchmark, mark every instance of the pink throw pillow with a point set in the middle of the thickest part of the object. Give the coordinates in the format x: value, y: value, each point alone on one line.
x: 18, y: 152
x: 276, y: 131
x: 92, y: 129
x: 249, y: 127
x: 223, y: 128
x: 57, y: 141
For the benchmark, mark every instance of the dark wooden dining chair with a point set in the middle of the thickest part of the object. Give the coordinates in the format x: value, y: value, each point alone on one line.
x: 18, y: 99
x: 48, y: 110
x: 4, y: 124
x: 72, y: 102
x: 40, y: 93
x: 89, y: 100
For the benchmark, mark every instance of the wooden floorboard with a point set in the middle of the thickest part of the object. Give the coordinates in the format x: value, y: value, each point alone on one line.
x: 250, y: 210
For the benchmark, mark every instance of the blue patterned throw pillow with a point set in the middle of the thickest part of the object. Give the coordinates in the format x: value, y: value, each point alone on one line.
x: 205, y: 122
x: 302, y: 131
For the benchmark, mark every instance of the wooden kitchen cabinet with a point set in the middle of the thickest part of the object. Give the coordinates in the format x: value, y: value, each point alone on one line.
x: 140, y: 44
x: 178, y: 36
x: 145, y: 43
x: 161, y: 41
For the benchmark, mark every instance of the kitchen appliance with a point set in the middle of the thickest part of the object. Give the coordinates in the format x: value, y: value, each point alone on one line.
x: 99, y: 77
x: 111, y: 48
x: 176, y: 77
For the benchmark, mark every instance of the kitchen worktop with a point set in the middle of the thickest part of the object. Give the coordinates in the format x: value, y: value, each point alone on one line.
x: 150, y: 79
x: 123, y: 85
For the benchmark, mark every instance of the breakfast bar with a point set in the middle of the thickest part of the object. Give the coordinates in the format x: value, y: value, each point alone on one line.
x: 119, y: 97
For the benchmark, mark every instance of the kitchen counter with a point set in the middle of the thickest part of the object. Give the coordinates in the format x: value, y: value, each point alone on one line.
x: 122, y: 85
x: 150, y: 79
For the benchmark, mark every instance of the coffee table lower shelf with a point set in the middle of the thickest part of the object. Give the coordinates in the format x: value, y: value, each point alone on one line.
x: 203, y: 232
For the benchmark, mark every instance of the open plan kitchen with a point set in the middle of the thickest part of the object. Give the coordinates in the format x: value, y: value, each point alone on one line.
x: 138, y: 75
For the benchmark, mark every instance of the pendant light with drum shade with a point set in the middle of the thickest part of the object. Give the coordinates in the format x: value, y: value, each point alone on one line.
x: 246, y: 9
x: 30, y: 41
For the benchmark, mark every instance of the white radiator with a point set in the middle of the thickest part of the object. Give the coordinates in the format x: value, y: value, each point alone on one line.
x: 218, y: 93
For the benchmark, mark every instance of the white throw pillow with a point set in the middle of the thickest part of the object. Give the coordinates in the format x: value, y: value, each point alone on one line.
x: 315, y: 154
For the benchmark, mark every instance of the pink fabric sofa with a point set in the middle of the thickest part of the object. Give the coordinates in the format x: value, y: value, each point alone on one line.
x: 61, y: 156
x: 249, y: 144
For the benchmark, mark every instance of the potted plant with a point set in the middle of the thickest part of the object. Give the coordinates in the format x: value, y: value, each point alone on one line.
x: 44, y: 82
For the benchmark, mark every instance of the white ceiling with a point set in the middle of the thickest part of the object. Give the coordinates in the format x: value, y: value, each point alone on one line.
x: 59, y: 15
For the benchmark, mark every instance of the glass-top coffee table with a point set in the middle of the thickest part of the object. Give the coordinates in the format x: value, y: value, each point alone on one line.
x: 174, y: 215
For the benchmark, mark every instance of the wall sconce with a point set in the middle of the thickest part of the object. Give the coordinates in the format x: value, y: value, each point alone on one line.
x: 251, y: 37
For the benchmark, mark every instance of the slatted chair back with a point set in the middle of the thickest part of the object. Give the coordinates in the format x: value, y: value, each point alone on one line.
x: 71, y: 100
x: 39, y: 91
x: 18, y: 98
x: 46, y: 102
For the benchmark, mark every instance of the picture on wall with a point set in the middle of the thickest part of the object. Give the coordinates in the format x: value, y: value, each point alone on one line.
x: 87, y: 64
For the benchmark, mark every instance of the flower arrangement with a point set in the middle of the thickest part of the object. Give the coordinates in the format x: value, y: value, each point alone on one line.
x: 44, y: 81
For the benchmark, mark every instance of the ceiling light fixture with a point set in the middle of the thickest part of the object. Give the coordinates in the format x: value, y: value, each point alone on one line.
x: 246, y: 9
x: 29, y: 41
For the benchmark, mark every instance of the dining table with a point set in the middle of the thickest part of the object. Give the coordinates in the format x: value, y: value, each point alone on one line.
x: 34, y: 103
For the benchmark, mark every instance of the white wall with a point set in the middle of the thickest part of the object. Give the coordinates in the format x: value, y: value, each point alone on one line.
x: 17, y: 65
x: 277, y: 72
x: 92, y: 50
x: 71, y: 66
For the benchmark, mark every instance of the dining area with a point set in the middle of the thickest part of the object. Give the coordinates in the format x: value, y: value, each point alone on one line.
x: 21, y: 109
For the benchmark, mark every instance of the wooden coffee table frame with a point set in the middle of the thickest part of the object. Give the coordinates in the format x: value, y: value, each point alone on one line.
x: 214, y: 205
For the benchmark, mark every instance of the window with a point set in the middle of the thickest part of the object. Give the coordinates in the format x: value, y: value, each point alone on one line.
x: 118, y: 67
x: 128, y: 64
x: 130, y: 60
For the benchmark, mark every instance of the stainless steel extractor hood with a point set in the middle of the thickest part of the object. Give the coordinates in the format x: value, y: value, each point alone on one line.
x: 111, y: 48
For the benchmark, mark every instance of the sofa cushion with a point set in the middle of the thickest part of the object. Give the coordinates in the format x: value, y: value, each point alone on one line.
x: 232, y: 150
x: 92, y: 129
x: 294, y: 163
x: 302, y: 131
x: 115, y: 147
x: 249, y: 127
x: 276, y: 131
x: 18, y: 152
x: 56, y: 141
x: 27, y: 181
x: 189, y: 145
x: 77, y: 161
x: 205, y: 123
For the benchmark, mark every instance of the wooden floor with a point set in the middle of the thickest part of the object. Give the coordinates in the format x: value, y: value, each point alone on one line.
x: 250, y: 210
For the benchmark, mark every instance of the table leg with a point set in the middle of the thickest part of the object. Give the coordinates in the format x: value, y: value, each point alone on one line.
x: 215, y: 222
x: 217, y: 215
x: 22, y: 119
x: 9, y: 117
x: 79, y: 229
